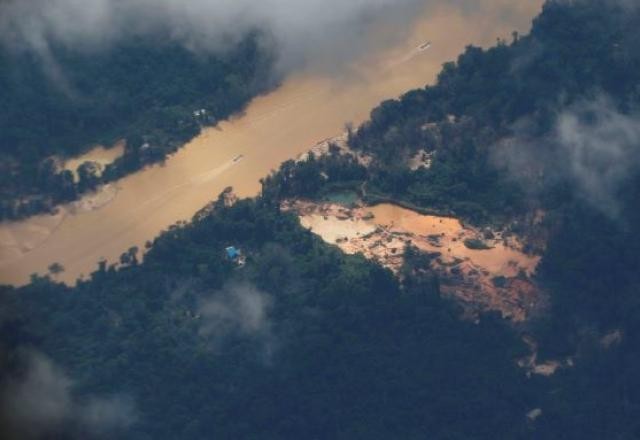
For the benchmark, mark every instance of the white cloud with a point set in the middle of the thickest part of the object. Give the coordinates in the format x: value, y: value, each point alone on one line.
x: 239, y: 309
x: 593, y: 146
x: 42, y: 402
x: 602, y: 147
x: 301, y: 29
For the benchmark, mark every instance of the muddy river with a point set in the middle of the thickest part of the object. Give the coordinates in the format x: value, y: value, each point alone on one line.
x: 304, y: 110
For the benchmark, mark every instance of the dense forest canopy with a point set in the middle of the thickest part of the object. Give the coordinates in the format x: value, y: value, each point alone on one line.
x: 152, y: 73
x: 300, y: 342
x: 304, y: 342
x: 578, y: 53
x: 143, y: 90
x: 549, y: 121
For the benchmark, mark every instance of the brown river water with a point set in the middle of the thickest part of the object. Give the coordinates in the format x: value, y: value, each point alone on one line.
x: 307, y: 108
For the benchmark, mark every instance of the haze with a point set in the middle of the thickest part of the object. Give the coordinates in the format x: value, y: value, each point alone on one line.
x: 307, y: 108
x: 310, y: 32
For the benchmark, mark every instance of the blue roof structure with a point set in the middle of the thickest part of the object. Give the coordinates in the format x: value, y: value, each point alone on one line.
x: 232, y: 252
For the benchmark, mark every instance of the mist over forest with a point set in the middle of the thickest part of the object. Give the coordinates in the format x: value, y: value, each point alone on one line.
x: 241, y: 323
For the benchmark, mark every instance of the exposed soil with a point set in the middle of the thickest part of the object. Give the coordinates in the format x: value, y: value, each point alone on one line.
x: 496, y: 276
x: 323, y: 147
x: 421, y: 159
x: 309, y: 106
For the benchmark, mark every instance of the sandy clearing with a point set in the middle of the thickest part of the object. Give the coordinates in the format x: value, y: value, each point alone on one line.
x: 309, y: 106
x: 382, y: 232
x: 334, y: 230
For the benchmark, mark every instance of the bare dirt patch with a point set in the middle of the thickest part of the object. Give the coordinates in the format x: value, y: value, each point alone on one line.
x: 422, y: 159
x: 323, y: 148
x: 494, y: 277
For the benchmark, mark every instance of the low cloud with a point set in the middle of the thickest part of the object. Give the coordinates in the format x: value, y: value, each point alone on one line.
x: 302, y: 31
x: 321, y: 34
x: 602, y: 147
x: 42, y: 403
x: 593, y: 146
x: 239, y: 310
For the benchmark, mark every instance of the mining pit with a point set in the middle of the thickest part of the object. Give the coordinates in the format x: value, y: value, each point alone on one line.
x: 482, y: 269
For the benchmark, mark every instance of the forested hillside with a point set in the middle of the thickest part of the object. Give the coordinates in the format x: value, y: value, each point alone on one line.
x: 546, y: 124
x: 488, y: 109
x: 142, y: 90
x: 550, y: 121
x: 302, y: 341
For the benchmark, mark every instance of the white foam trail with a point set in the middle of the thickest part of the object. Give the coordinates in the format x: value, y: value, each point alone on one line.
x: 197, y: 180
x: 411, y: 55
x: 208, y: 176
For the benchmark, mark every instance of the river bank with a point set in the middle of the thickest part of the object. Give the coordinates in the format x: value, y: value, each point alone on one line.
x: 278, y: 126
